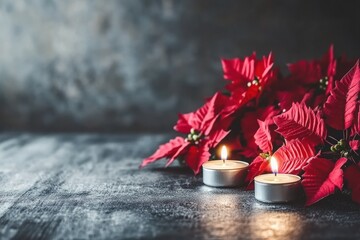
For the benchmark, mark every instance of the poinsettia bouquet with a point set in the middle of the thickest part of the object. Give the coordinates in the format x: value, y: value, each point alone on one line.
x: 309, y: 121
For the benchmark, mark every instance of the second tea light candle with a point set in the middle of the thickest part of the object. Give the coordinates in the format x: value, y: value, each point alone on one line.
x: 224, y: 173
x: 276, y: 188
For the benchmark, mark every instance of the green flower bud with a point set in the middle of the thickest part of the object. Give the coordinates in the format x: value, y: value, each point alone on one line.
x: 332, y: 149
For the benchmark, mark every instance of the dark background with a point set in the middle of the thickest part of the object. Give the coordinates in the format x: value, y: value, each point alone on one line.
x: 119, y: 66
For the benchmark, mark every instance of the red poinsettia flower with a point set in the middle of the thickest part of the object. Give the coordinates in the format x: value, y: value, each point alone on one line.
x: 320, y: 72
x: 205, y: 127
x: 248, y: 77
x: 316, y: 77
x: 309, y: 81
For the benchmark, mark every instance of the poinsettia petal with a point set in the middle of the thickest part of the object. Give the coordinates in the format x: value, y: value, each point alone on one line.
x: 231, y: 68
x: 329, y: 61
x: 341, y: 105
x: 263, y: 137
x: 289, y: 96
x: 352, y: 178
x: 354, y: 144
x: 203, y: 118
x: 305, y: 72
x: 196, y: 157
x: 293, y: 156
x: 258, y: 166
x: 215, y: 137
x: 179, y: 152
x: 321, y: 178
x: 355, y: 128
x: 301, y: 122
x: 167, y: 150
x: 264, y: 69
x: 183, y: 123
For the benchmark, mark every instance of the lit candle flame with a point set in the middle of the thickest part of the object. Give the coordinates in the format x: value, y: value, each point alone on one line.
x: 274, y: 165
x: 224, y: 154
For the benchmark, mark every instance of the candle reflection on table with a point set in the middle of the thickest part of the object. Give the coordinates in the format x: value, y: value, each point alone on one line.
x: 220, y: 215
x: 276, y: 225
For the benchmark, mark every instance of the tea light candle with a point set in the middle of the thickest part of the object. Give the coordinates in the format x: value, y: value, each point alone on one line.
x: 224, y: 173
x: 276, y: 188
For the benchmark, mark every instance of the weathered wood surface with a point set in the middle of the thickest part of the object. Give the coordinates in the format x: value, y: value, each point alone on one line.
x: 69, y: 186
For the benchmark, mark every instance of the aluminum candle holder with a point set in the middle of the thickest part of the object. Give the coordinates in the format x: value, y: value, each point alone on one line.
x: 280, y: 188
x: 220, y: 174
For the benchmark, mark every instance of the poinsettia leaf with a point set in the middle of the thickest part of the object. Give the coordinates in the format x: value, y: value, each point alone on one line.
x: 179, y: 152
x: 300, y: 122
x: 263, y: 137
x: 289, y: 96
x: 293, y: 156
x: 231, y: 68
x: 306, y: 72
x: 215, y: 137
x: 330, y: 61
x: 204, y: 118
x: 167, y: 150
x: 354, y: 144
x: 352, y: 178
x: 321, y: 178
x: 355, y: 128
x: 340, y: 107
x: 258, y: 166
x: 196, y: 157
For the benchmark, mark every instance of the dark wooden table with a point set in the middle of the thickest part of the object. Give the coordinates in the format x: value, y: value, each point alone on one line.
x: 76, y: 186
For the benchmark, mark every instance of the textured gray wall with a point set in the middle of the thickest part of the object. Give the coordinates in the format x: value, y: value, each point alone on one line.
x: 132, y: 65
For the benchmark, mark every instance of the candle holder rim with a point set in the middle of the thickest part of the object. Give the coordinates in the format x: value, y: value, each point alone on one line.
x: 228, y: 169
x: 279, y: 183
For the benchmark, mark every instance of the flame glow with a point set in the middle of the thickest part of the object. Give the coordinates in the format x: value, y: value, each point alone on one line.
x: 224, y: 153
x: 274, y: 165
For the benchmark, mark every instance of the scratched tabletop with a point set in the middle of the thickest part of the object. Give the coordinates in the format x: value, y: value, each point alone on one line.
x: 88, y: 186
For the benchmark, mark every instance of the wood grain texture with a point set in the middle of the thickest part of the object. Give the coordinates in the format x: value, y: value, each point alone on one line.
x: 89, y: 187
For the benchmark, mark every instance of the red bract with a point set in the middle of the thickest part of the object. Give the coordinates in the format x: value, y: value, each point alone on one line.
x: 286, y: 97
x: 204, y: 118
x: 352, y: 178
x: 248, y: 76
x: 319, y: 72
x: 341, y: 105
x: 171, y: 150
x: 249, y: 125
x: 321, y: 178
x: 302, y: 123
x: 293, y: 156
x: 355, y: 128
x: 263, y: 137
x: 354, y: 145
x: 258, y: 166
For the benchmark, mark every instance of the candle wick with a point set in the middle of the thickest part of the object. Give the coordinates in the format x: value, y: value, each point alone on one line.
x: 224, y: 161
x: 275, y: 174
